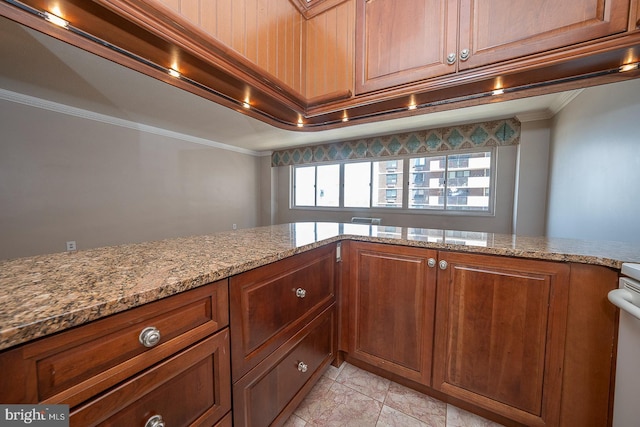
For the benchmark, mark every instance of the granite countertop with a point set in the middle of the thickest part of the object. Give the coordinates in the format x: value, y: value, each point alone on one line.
x: 45, y: 294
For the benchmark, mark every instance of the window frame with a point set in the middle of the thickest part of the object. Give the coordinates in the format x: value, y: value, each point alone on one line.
x: 404, y: 187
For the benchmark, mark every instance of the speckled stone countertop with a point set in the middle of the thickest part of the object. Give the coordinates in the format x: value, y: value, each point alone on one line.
x: 45, y: 294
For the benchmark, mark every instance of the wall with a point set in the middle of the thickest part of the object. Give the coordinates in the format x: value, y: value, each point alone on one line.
x: 68, y: 178
x: 595, y: 166
x: 530, y: 200
x: 501, y: 222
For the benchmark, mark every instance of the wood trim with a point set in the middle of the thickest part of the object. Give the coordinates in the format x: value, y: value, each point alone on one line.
x: 330, y: 97
x: 634, y: 16
x: 224, y: 76
x: 165, y: 23
x: 587, y: 389
x: 315, y: 7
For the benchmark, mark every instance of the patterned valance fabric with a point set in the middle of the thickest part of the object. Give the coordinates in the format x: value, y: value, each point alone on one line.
x: 462, y: 137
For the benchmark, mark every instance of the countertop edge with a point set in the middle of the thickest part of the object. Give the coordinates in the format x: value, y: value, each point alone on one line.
x: 16, y: 335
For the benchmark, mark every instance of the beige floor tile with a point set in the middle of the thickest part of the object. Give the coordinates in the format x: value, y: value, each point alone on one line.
x: 457, y: 417
x: 295, y: 421
x: 332, y: 372
x: 339, y: 406
x: 425, y: 408
x: 389, y: 417
x: 365, y: 382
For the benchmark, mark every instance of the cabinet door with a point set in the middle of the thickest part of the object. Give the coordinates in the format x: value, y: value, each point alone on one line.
x: 402, y: 41
x: 392, y: 298
x: 499, y: 30
x: 500, y: 331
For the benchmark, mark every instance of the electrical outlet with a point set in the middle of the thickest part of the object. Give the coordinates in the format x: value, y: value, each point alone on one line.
x: 71, y: 246
x: 234, y: 226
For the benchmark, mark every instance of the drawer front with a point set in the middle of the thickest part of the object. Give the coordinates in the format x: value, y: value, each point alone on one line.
x: 194, y: 387
x: 73, y: 366
x: 269, y: 304
x: 262, y: 394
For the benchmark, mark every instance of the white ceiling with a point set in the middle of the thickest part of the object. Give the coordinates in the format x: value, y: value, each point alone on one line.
x: 37, y: 65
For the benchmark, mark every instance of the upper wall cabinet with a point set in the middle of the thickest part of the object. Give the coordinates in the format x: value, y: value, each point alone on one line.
x: 498, y: 30
x: 403, y: 41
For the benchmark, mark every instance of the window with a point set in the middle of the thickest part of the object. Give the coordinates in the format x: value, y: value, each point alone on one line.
x: 451, y: 182
x: 317, y: 185
x: 357, y: 184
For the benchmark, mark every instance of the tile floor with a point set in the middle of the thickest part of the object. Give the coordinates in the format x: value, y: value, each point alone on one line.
x: 349, y: 396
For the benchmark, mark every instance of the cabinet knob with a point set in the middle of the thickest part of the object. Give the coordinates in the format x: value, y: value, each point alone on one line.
x: 451, y: 58
x: 149, y: 337
x: 155, y: 421
x: 464, y: 55
x: 443, y: 265
x: 301, y: 293
x: 302, y: 367
x: 431, y: 262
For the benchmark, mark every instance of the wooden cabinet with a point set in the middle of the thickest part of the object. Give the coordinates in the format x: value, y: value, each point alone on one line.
x: 132, y: 364
x: 189, y: 388
x: 526, y: 340
x: 391, y: 306
x: 404, y: 41
x: 261, y: 396
x: 501, y: 30
x: 500, y: 333
x: 272, y: 312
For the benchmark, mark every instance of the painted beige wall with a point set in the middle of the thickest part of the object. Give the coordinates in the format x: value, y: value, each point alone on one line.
x: 69, y: 178
x: 501, y: 222
x: 530, y: 201
x: 594, y: 175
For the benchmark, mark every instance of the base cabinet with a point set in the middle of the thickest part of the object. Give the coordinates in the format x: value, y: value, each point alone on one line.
x: 528, y: 341
x: 266, y: 395
x: 199, y: 376
x: 391, y: 306
x: 169, y: 359
x: 500, y: 333
x: 283, y: 333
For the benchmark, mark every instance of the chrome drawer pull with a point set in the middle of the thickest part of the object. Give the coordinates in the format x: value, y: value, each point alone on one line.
x: 431, y: 262
x: 443, y: 265
x: 155, y: 421
x: 301, y: 293
x: 149, y: 337
x: 464, y: 55
x: 302, y: 367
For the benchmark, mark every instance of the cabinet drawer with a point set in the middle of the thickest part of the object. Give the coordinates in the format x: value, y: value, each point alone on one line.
x: 193, y: 387
x: 269, y: 304
x: 267, y: 390
x: 75, y: 365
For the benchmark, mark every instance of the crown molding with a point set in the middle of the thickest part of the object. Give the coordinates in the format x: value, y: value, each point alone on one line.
x: 56, y: 107
x: 563, y: 100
